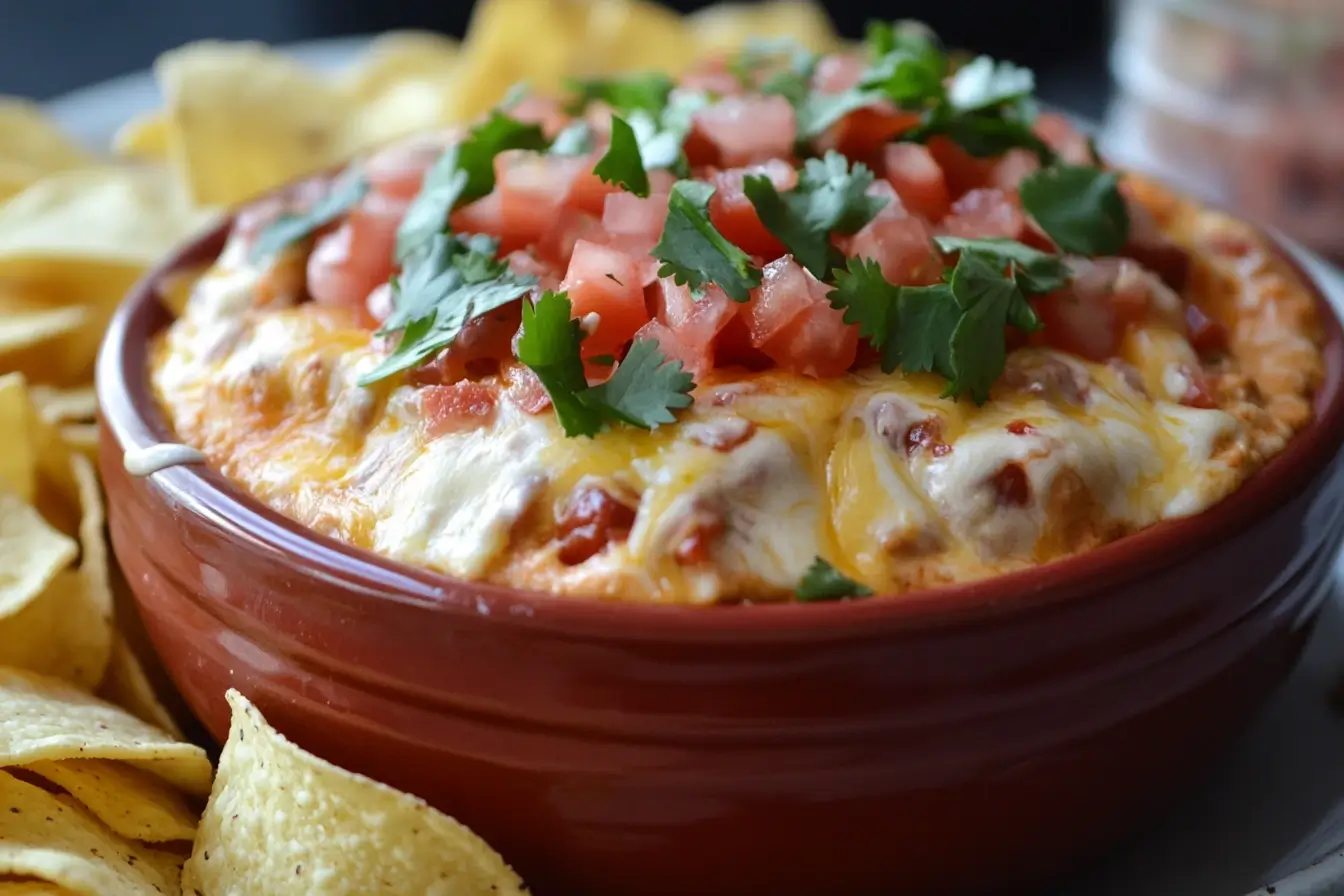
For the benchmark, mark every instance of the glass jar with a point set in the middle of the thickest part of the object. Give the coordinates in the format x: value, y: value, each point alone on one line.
x: 1241, y: 101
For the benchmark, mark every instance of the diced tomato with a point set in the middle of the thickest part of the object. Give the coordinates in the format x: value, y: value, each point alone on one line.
x: 817, y: 343
x: 838, y: 72
x: 591, y: 519
x: 1068, y: 142
x: 733, y: 215
x: 902, y: 247
x: 747, y: 130
x: 964, y: 172
x: 786, y: 291
x: 713, y: 77
x: 478, y: 351
x: 697, y: 321
x: 639, y: 222
x: 399, y: 170
x: 696, y: 360
x: 568, y: 227
x: 485, y: 215
x: 531, y: 188
x: 588, y: 192
x: 524, y: 389
x: 348, y: 263
x: 525, y: 262
x: 733, y: 347
x: 985, y: 213
x: 1080, y: 323
x: 862, y: 133
x: 918, y: 180
x: 604, y: 281
x: 1198, y: 394
x: 1207, y: 336
x: 536, y: 108
x: 1153, y: 249
x: 458, y: 407
x: 1012, y: 168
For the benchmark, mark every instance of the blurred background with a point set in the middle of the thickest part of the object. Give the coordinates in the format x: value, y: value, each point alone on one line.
x: 1240, y: 101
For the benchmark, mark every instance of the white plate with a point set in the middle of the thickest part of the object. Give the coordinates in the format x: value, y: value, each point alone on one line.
x: 1269, y: 815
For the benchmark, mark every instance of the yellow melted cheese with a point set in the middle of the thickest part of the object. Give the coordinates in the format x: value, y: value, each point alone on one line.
x: 271, y: 397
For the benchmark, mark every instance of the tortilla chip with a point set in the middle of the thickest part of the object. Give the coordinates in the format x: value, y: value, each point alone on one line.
x: 245, y: 119
x: 18, y: 460
x: 281, y: 821
x: 32, y: 556
x: 127, y: 685
x: 32, y: 888
x: 636, y: 36
x: 726, y: 27
x: 128, y: 216
x: 133, y: 803
x: 22, y: 328
x: 397, y: 57
x: 54, y: 405
x: 29, y: 137
x: 42, y: 718
x: 45, y: 837
x: 144, y: 137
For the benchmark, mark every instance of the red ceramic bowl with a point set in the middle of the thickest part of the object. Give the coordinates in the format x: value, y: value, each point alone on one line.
x: 978, y: 738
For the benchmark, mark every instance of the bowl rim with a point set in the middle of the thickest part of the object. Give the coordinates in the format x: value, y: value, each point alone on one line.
x: 132, y: 418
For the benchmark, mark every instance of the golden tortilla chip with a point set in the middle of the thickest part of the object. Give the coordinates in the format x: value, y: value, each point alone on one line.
x: 32, y: 556
x: 81, y: 438
x: 634, y: 35
x: 144, y: 137
x: 726, y: 27
x: 29, y: 137
x: 42, y: 718
x: 15, y: 177
x: 281, y: 821
x: 18, y: 460
x: 397, y: 57
x: 127, y: 216
x: 54, y: 405
x: 127, y: 685
x: 45, y: 837
x: 22, y: 328
x: 245, y: 119
x: 133, y: 803
x: 32, y: 888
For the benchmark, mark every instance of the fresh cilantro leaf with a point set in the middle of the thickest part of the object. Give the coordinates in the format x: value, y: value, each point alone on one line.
x: 883, y: 37
x: 290, y: 228
x: 622, y: 164
x: 830, y: 196
x: 909, y: 70
x: 465, y: 172
x: 648, y: 92
x: 823, y: 582
x: 439, y: 290
x: 980, y: 134
x: 928, y: 318
x: 1036, y: 272
x: 662, y: 136
x: 784, y: 54
x: 983, y: 83
x: 575, y: 140
x: 549, y: 344
x: 911, y: 325
x: 694, y: 253
x: 645, y: 389
x: 1080, y: 208
x: 978, y: 354
x: 815, y: 111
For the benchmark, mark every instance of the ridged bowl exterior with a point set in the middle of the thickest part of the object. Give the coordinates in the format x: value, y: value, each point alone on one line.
x: 969, y: 740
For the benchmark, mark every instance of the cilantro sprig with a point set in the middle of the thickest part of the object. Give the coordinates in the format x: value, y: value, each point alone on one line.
x: 830, y: 197
x: 823, y: 582
x: 622, y: 164
x: 1078, y: 207
x: 465, y: 172
x: 440, y: 290
x: 694, y: 253
x: 287, y: 229
x: 954, y: 328
x: 646, y: 91
x: 644, y: 391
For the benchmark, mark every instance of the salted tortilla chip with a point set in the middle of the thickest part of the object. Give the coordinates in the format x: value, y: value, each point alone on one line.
x: 61, y: 633
x: 55, y: 405
x: 92, y: 544
x: 32, y: 556
x: 634, y: 35
x: 43, y: 718
x: 45, y: 837
x: 133, y: 803
x: 81, y: 438
x: 22, y: 328
x: 726, y: 27
x: 15, y: 177
x: 144, y: 137
x: 32, y: 888
x: 130, y: 215
x: 281, y: 821
x: 245, y: 119
x: 18, y: 460
x: 29, y: 137
x: 127, y: 685
x: 397, y: 57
